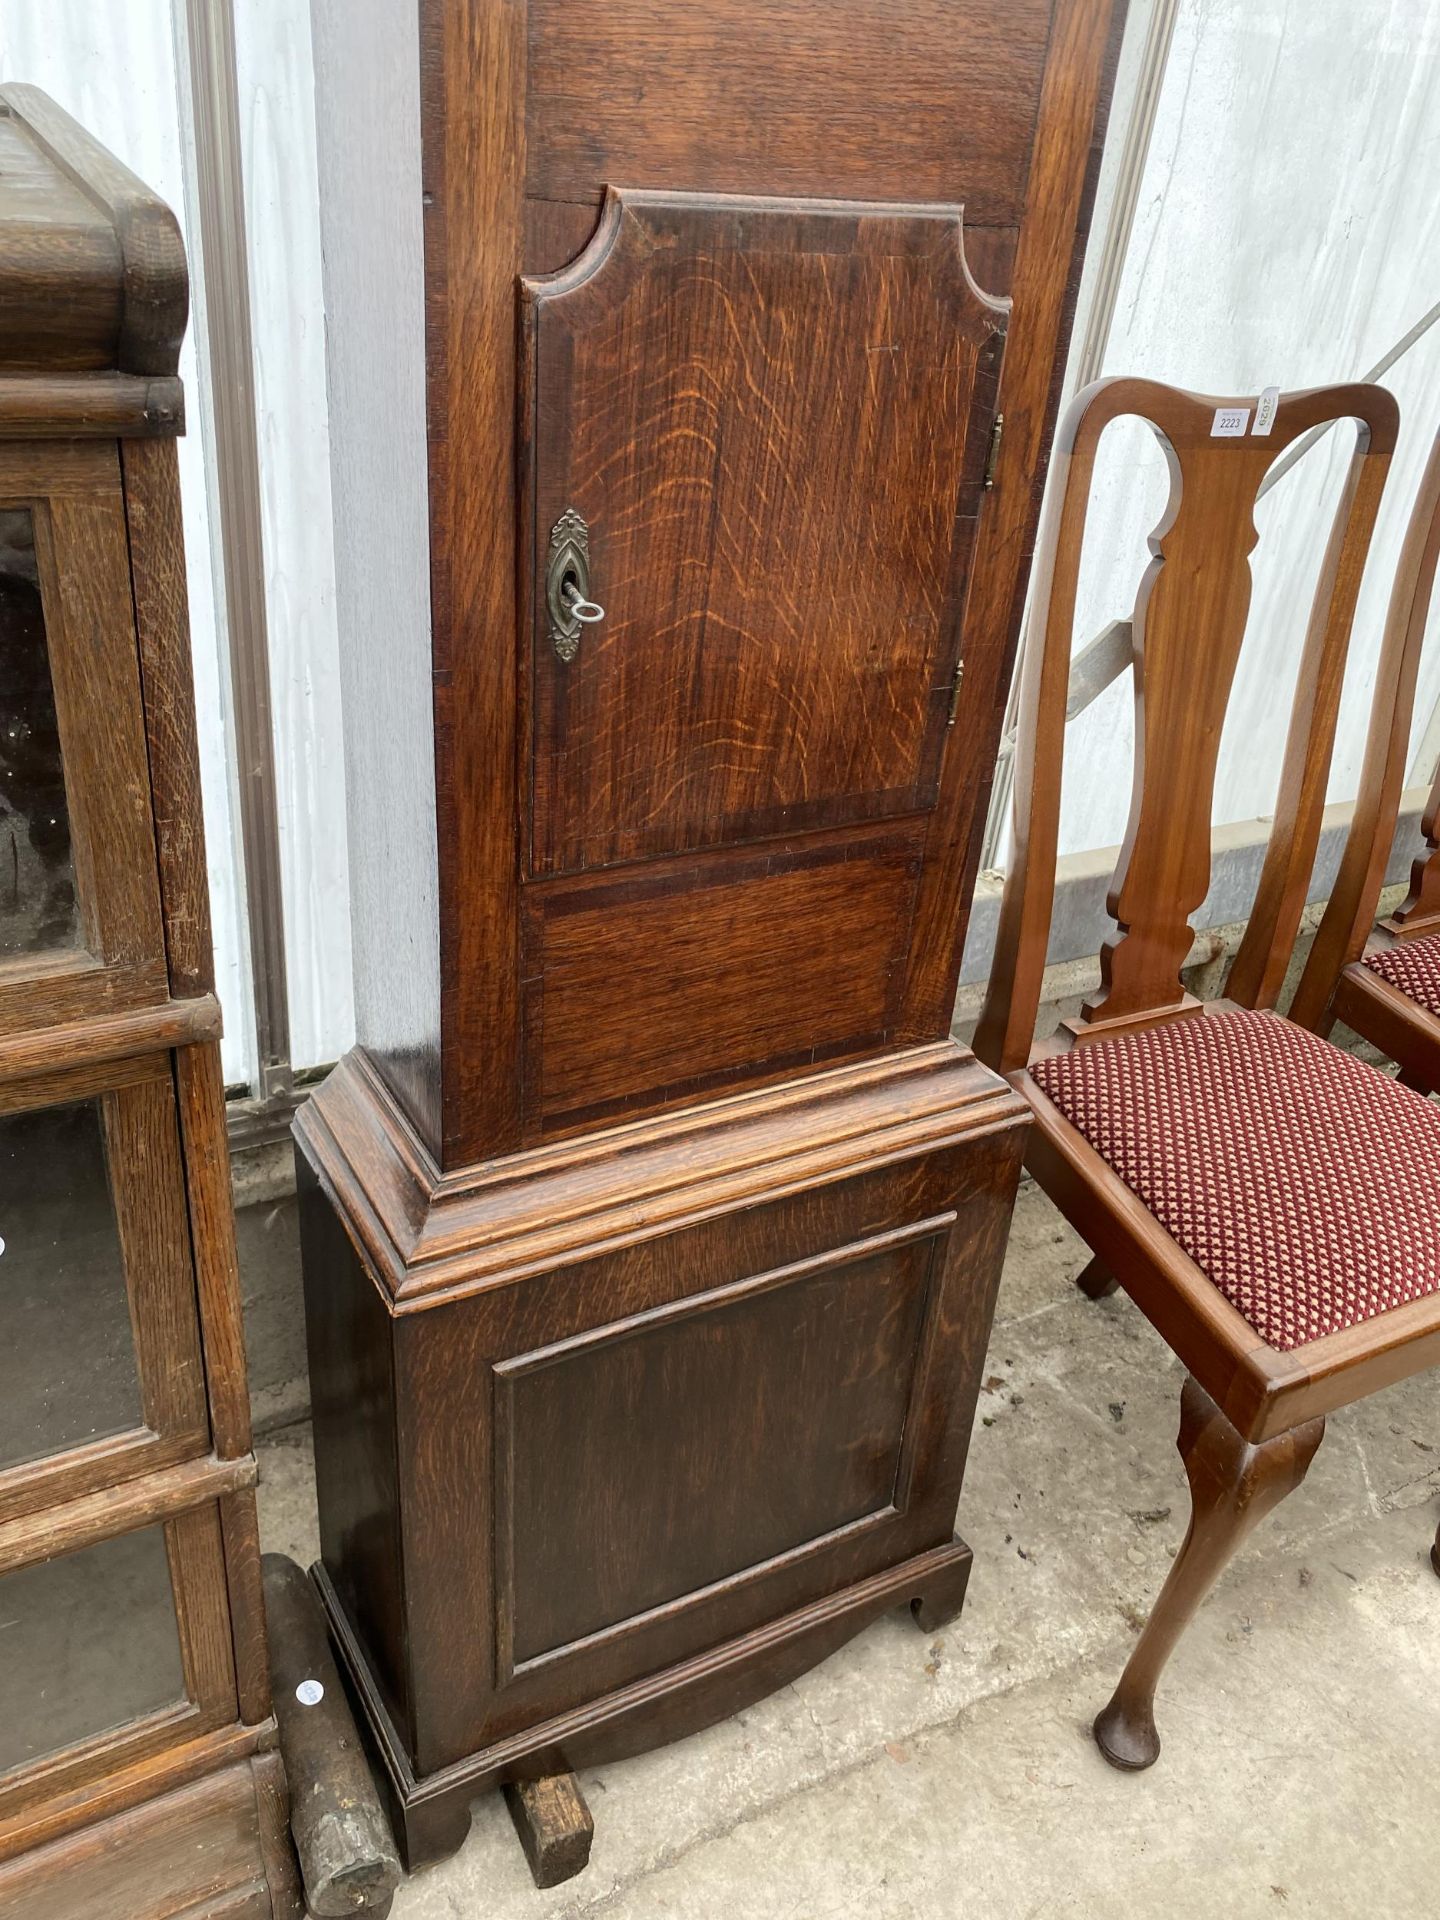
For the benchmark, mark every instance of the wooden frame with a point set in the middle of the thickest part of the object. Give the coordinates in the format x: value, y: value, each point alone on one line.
x: 1334, y: 984
x: 184, y: 1501
x: 74, y: 496
x: 140, y: 1129
x: 1253, y: 1415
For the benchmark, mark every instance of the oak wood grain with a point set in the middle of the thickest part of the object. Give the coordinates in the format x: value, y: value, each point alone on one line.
x: 200, y: 1096
x: 424, y: 1235
x: 472, y: 83
x: 763, y: 409
x: 200, y: 1844
x: 635, y: 1002
x: 32, y: 1793
x: 1084, y: 47
x: 849, y: 101
x: 73, y: 492
x: 900, y: 1152
x: 432, y: 1815
x: 240, y: 1536
x: 109, y: 1039
x: 488, y: 213
x: 151, y: 478
x: 128, y: 1786
x: 143, y: 1158
x: 95, y: 1516
x: 94, y: 257
x: 824, y: 1358
x: 85, y: 406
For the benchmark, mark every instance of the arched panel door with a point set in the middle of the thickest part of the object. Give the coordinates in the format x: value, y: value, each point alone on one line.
x: 756, y: 433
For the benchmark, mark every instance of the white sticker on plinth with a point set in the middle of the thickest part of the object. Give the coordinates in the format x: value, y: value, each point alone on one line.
x: 310, y: 1693
x: 1229, y: 423
x: 1265, y: 412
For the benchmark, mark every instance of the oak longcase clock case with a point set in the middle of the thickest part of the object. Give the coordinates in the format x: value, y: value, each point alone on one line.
x: 652, y: 1231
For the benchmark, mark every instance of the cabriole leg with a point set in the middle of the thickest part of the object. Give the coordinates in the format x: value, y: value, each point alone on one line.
x: 1233, y: 1485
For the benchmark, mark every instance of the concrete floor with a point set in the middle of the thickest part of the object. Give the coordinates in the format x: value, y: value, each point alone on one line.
x: 925, y: 1777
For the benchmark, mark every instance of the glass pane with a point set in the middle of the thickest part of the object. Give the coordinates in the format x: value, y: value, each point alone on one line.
x: 37, y: 880
x: 90, y: 1642
x: 67, y: 1354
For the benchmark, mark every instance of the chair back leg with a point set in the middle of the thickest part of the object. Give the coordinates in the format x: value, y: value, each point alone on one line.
x: 1233, y: 1484
x: 1095, y: 1280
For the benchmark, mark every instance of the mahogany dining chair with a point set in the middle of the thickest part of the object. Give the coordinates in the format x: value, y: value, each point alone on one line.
x: 1270, y: 1203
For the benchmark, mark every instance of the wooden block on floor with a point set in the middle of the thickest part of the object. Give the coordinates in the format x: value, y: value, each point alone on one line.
x: 554, y: 1825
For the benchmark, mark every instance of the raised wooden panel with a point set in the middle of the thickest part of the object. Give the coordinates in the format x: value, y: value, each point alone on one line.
x: 603, y: 1438
x: 737, y: 966
x: 855, y: 99
x: 772, y: 417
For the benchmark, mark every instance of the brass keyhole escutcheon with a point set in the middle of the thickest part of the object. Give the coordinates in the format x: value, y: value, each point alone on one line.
x: 567, y: 584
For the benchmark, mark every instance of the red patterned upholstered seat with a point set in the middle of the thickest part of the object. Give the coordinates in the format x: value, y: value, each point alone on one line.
x: 1303, y: 1182
x: 1414, y: 967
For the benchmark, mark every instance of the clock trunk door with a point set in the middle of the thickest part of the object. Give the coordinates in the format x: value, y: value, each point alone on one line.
x: 757, y: 434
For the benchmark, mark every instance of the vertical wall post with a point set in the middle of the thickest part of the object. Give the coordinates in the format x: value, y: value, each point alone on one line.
x: 220, y: 202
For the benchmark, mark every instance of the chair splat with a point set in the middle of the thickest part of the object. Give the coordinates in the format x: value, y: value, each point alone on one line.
x: 1188, y: 627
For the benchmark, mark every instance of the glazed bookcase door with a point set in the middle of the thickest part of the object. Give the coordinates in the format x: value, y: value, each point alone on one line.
x: 116, y: 1649
x: 763, y: 423
x: 80, y: 925
x: 101, y: 1375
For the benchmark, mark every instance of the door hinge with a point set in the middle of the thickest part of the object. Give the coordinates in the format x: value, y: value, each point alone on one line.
x: 955, y: 681
x: 996, y: 431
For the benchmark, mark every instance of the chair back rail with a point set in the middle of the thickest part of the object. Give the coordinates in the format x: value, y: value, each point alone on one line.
x: 1350, y: 912
x: 1189, y: 621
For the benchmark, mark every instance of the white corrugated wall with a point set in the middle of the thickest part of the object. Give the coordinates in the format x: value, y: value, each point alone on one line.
x: 1287, y: 232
